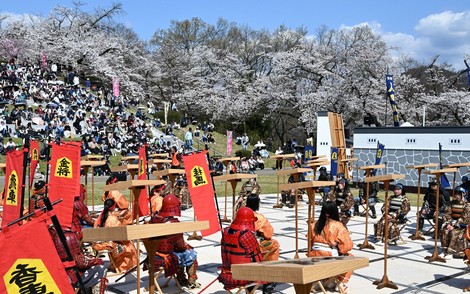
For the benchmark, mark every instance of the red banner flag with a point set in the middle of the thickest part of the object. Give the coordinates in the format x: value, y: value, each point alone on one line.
x: 142, y: 175
x: 34, y: 155
x: 229, y: 142
x: 14, y: 174
x: 30, y: 263
x: 201, y: 190
x: 64, y: 182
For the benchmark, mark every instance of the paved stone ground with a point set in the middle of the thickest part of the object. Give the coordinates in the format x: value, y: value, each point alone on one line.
x: 407, y: 266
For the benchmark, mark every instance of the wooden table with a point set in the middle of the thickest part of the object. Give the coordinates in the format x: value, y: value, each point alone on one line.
x: 279, y: 159
x: 160, y: 163
x: 458, y: 166
x: 310, y: 187
x: 233, y: 179
x: 417, y: 235
x: 172, y: 173
x: 368, y: 170
x: 386, y: 179
x: 131, y: 168
x: 435, y: 256
x: 92, y: 157
x: 300, y: 272
x: 86, y: 164
x: 345, y: 163
x: 147, y: 233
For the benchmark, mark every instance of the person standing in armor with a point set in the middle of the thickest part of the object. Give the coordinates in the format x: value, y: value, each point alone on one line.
x: 456, y: 219
x: 398, y: 208
x: 239, y: 245
x: 173, y: 253
x: 344, y: 199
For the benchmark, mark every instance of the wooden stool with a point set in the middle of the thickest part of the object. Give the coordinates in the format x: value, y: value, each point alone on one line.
x: 245, y: 289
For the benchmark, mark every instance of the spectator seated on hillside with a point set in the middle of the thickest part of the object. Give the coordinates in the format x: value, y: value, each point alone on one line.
x: 264, y: 153
x: 197, y: 132
x: 210, y: 138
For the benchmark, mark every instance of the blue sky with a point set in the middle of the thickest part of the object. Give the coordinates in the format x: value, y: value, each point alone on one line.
x: 422, y: 29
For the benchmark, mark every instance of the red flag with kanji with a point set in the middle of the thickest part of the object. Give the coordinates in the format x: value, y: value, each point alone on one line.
x: 34, y: 155
x: 64, y: 182
x: 14, y: 174
x: 201, y: 190
x: 30, y: 262
x: 142, y: 175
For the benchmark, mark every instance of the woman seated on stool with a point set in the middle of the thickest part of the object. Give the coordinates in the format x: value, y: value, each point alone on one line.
x: 331, y: 238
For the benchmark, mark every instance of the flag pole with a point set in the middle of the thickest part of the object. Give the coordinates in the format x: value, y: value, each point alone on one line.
x: 215, y: 197
x: 23, y: 180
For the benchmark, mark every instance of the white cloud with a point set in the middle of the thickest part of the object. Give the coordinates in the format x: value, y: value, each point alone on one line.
x: 446, y: 34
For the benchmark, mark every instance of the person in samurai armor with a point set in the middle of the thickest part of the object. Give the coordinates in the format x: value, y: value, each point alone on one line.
x: 239, y: 245
x: 182, y: 192
x: 264, y: 231
x: 249, y: 187
x: 428, y: 210
x: 398, y: 208
x: 91, y: 269
x: 173, y: 253
x: 344, y: 199
x: 456, y: 219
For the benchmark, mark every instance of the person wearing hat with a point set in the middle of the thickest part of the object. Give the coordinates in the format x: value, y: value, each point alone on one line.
x: 330, y: 238
x: 239, y: 245
x: 344, y: 199
x: 123, y: 252
x: 456, y: 219
x: 173, y: 253
x: 398, y: 208
x: 466, y: 185
x: 428, y: 210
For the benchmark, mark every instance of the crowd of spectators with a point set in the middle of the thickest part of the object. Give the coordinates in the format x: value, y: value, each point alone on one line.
x: 50, y: 103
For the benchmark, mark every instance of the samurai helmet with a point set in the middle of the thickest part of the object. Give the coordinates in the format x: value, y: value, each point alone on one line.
x: 245, y: 220
x: 171, y: 206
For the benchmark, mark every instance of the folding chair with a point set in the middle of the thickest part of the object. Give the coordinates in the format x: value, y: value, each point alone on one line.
x: 158, y: 273
x: 321, y: 284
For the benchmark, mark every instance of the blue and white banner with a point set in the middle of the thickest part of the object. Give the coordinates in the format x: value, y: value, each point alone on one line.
x: 334, y: 161
x: 378, y: 155
x: 391, y: 97
x: 444, y: 181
